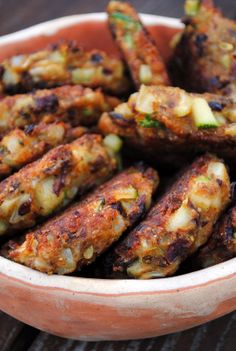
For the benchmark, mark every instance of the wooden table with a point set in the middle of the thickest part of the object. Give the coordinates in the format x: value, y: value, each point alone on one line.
x: 219, y: 335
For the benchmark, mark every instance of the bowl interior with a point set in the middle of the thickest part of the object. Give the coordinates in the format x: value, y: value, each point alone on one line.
x: 91, y: 31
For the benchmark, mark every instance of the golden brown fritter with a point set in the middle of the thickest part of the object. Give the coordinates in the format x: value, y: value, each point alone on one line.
x: 138, y: 48
x: 73, y: 104
x: 222, y: 244
x: 62, y: 64
x: 44, y: 186
x: 178, y: 224
x: 76, y: 237
x: 204, y: 59
x: 20, y: 147
x: 168, y: 124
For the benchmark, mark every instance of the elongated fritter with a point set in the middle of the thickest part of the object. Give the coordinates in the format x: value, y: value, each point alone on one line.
x: 50, y: 183
x: 73, y: 104
x: 76, y: 237
x: 62, y: 64
x: 180, y: 222
x: 205, y: 55
x: 222, y: 244
x: 138, y: 48
x: 166, y: 123
x: 20, y: 147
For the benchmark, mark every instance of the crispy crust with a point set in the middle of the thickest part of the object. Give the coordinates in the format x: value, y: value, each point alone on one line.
x: 62, y: 64
x: 177, y: 225
x: 20, y: 147
x: 73, y: 104
x: 166, y: 141
x: 84, y: 231
x: 221, y: 245
x: 135, y: 43
x: 205, y: 54
x: 50, y: 183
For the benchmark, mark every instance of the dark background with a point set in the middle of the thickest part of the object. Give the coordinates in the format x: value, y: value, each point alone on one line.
x: 18, y: 14
x: 219, y: 335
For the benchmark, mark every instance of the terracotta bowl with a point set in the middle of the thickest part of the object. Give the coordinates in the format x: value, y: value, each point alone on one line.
x: 96, y: 309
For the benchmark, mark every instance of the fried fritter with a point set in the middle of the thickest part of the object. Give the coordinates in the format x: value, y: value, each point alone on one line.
x: 168, y: 124
x: 222, y: 244
x: 20, y: 147
x: 138, y: 48
x: 178, y: 224
x: 73, y: 104
x: 76, y: 237
x: 63, y: 64
x: 204, y: 58
x: 46, y: 185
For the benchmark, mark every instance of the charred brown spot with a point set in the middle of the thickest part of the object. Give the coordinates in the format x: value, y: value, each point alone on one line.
x: 25, y: 207
x: 96, y: 58
x: 233, y: 191
x: 29, y: 129
x: 155, y: 261
x: 199, y: 42
x: 216, y: 105
x: 83, y: 232
x: 1, y: 71
x: 59, y: 184
x: 14, y: 185
x: 216, y: 83
x: 177, y: 250
x: 138, y: 214
x: 118, y: 207
x: 97, y: 164
x: 119, y: 119
x: 48, y: 104
x: 107, y: 71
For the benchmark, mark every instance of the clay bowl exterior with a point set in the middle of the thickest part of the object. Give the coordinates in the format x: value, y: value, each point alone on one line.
x: 97, y: 309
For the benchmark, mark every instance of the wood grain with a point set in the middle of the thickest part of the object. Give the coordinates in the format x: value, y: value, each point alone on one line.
x: 219, y: 335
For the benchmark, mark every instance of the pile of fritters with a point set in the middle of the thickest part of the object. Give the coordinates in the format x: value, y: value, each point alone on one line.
x: 83, y: 135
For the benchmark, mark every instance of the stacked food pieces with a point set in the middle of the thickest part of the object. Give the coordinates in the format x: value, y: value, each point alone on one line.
x: 73, y: 125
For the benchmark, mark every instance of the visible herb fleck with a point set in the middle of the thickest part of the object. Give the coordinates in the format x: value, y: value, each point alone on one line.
x: 148, y: 122
x: 130, y: 23
x: 207, y: 126
x: 87, y: 111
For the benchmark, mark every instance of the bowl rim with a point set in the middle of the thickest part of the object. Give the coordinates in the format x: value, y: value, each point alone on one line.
x: 15, y: 272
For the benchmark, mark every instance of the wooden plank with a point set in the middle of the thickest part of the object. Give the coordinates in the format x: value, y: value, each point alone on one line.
x: 218, y: 335
x: 14, y: 335
x: 9, y: 331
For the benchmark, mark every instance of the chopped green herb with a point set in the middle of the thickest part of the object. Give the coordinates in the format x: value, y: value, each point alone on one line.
x: 129, y: 40
x: 87, y: 112
x: 130, y: 22
x: 203, y: 179
x: 191, y: 7
x: 207, y: 126
x: 148, y: 122
x: 100, y: 205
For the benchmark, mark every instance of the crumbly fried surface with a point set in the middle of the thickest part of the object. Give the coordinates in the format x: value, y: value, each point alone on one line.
x: 138, y: 48
x: 179, y: 223
x: 74, y: 104
x: 50, y: 183
x: 204, y: 59
x: 222, y: 244
x: 76, y: 237
x: 159, y: 123
x: 63, y: 64
x: 20, y: 147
